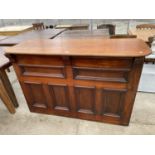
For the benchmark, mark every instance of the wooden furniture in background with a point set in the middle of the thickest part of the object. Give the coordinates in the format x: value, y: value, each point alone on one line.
x: 146, y: 26
x: 110, y: 27
x: 6, y: 99
x: 6, y: 91
x: 34, y: 34
x: 38, y: 26
x: 146, y: 35
x: 143, y: 34
x: 92, y: 79
x: 150, y: 40
x: 14, y: 30
x: 102, y: 33
x: 150, y: 58
x: 119, y: 36
x: 73, y: 27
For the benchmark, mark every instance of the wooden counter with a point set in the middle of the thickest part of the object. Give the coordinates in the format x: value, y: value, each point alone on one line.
x: 92, y: 79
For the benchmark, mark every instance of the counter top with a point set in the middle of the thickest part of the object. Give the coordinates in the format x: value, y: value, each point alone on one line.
x: 82, y: 47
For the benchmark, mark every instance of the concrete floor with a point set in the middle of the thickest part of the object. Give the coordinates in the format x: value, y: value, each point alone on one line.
x: 24, y: 122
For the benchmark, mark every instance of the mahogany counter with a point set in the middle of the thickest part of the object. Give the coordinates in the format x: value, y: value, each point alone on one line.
x: 92, y: 79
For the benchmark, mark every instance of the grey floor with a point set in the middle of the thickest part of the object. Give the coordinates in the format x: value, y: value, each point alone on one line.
x: 24, y: 122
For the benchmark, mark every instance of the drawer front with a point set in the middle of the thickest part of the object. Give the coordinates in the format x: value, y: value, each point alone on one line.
x: 96, y: 74
x: 103, y: 62
x: 40, y: 60
x: 39, y: 66
x: 43, y: 71
x: 102, y: 69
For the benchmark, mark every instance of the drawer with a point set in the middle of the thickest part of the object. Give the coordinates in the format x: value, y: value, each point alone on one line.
x: 103, y: 62
x: 99, y: 74
x: 41, y: 66
x: 43, y: 71
x: 40, y: 60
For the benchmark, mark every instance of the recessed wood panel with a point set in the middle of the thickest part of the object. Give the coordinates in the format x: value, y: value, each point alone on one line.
x: 39, y: 60
x: 103, y: 62
x: 85, y: 99
x: 36, y: 94
x: 60, y: 96
x: 113, y: 102
x: 43, y: 71
x: 99, y: 74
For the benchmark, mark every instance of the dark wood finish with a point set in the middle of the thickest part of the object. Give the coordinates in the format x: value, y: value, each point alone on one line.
x: 119, y: 36
x: 30, y: 35
x: 6, y: 99
x: 97, y: 96
x: 38, y: 26
x: 150, y: 40
x: 149, y: 60
x: 110, y: 27
x: 7, y: 93
x: 8, y: 87
x: 99, y: 88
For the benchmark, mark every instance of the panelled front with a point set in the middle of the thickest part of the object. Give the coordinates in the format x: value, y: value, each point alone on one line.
x: 92, y: 88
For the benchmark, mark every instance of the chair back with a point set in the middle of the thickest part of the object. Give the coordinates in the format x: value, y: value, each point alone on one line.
x: 38, y: 26
x: 108, y: 26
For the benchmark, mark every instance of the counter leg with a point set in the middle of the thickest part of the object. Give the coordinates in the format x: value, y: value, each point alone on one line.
x: 6, y: 99
x: 8, y: 87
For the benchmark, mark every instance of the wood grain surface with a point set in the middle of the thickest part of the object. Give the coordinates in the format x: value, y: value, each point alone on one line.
x: 34, y: 34
x: 82, y: 47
